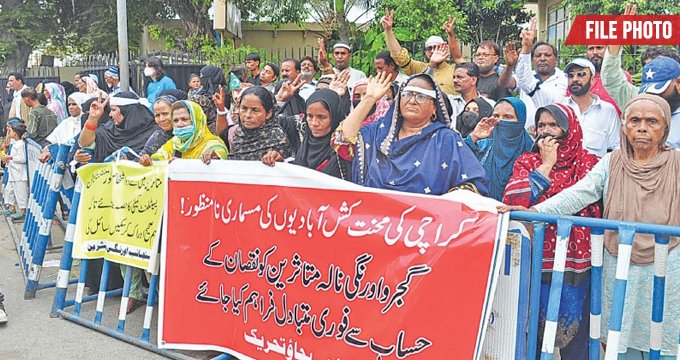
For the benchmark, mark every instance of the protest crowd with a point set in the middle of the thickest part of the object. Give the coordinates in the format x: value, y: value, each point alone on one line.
x: 507, y: 124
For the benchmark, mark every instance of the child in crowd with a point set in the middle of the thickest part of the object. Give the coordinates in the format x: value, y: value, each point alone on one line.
x: 16, y: 191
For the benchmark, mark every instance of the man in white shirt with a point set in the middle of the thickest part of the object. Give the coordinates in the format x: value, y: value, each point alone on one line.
x: 342, y: 53
x: 543, y: 85
x: 599, y: 119
x: 18, y: 108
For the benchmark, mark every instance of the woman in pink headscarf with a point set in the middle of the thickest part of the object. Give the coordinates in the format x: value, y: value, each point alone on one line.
x: 378, y: 110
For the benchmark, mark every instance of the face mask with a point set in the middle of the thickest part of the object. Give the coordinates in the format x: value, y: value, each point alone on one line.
x: 149, y: 71
x: 356, y: 103
x: 184, y: 133
x: 470, y: 118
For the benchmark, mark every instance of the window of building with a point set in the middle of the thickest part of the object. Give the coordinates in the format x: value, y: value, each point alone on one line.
x: 558, y: 24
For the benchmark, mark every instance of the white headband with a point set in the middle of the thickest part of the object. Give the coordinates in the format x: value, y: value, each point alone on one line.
x: 121, y: 101
x: 415, y: 89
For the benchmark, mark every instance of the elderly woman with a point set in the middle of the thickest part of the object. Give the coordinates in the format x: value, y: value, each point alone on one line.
x: 499, y: 140
x: 70, y: 127
x: 322, y: 115
x: 641, y: 183
x: 556, y: 162
x: 412, y: 148
x: 162, y: 113
x: 191, y: 139
x: 258, y: 132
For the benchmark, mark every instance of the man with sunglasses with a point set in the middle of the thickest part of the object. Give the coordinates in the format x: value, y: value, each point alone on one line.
x: 441, y: 70
x: 599, y: 119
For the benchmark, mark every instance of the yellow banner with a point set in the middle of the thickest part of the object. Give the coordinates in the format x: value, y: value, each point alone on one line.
x: 120, y: 211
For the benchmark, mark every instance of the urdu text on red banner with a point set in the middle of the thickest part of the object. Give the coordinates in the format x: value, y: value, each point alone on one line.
x: 289, y: 263
x: 624, y: 30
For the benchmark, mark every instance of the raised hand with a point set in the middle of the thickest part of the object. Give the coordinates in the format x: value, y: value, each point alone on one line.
x: 511, y: 54
x: 449, y: 26
x: 631, y: 9
x: 271, y: 157
x: 387, y: 21
x: 378, y: 86
x: 219, y: 99
x: 484, y: 128
x: 289, y: 88
x: 528, y: 36
x: 339, y: 83
x: 440, y: 54
x: 322, y: 57
x: 97, y: 109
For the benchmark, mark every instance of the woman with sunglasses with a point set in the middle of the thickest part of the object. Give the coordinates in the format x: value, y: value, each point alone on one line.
x: 412, y: 147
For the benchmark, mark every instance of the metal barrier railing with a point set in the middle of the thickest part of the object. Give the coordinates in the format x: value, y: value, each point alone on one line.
x: 61, y: 305
x: 626, y: 234
x: 45, y: 187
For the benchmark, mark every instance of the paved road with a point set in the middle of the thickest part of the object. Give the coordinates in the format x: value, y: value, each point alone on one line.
x: 32, y: 334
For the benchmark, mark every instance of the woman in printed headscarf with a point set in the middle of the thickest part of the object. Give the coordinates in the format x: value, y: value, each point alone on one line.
x: 56, y: 100
x: 499, y: 140
x: 411, y: 148
x: 315, y: 128
x: 258, y: 132
x: 638, y: 183
x: 132, y: 124
x: 89, y: 86
x: 191, y: 139
x: 556, y: 162
x: 474, y: 111
x: 376, y: 111
x: 162, y: 112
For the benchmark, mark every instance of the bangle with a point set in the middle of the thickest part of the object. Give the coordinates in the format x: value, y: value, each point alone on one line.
x: 329, y: 67
x: 221, y: 112
x: 91, y: 127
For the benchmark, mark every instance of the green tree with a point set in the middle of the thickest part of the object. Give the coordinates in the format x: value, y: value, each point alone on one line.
x: 25, y: 24
x: 495, y: 20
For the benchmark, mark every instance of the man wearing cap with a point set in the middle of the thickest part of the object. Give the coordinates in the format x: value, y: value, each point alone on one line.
x: 342, y: 53
x: 442, y: 73
x: 112, y: 79
x: 543, y: 85
x: 599, y: 119
x: 661, y: 77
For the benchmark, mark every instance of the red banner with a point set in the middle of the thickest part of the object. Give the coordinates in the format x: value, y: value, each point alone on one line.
x: 624, y: 30
x: 271, y: 271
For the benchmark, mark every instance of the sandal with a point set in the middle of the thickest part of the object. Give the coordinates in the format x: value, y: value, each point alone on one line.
x: 133, y: 304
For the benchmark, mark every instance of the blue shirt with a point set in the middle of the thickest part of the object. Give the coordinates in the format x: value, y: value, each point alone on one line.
x: 155, y: 87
